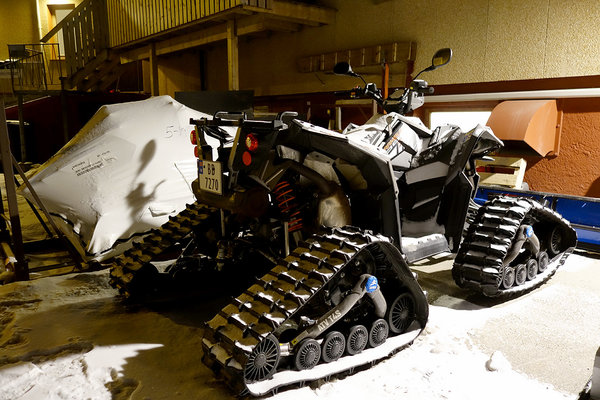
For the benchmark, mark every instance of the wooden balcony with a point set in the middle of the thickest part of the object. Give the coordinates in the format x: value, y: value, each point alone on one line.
x: 193, y: 23
x: 132, y: 21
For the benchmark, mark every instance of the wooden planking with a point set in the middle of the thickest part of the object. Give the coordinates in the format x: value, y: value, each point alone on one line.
x: 503, y: 171
x: 131, y: 20
x: 124, y: 21
x: 397, y: 52
x: 85, y: 33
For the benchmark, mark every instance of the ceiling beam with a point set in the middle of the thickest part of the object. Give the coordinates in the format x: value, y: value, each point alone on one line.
x: 194, y: 39
x: 261, y: 23
x: 302, y: 13
x: 139, y: 53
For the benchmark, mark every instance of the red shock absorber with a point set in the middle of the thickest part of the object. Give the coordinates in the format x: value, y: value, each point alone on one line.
x: 285, y: 198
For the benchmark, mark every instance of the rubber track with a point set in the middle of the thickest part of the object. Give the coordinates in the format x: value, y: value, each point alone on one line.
x: 127, y: 265
x: 479, y: 262
x: 231, y: 335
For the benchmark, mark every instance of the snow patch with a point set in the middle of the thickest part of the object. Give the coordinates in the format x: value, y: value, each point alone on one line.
x: 442, y: 363
x: 74, y: 377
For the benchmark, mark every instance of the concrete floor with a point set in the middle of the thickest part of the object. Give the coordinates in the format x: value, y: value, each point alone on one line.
x: 551, y: 334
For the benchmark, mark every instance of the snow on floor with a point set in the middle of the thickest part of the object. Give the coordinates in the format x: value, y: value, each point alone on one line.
x: 442, y: 364
x: 70, y: 337
x: 76, y: 377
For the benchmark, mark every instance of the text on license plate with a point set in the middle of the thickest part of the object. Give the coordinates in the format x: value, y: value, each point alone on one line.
x: 210, y: 177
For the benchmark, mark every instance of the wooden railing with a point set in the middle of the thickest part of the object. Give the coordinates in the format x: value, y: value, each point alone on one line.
x: 132, y: 20
x: 85, y: 34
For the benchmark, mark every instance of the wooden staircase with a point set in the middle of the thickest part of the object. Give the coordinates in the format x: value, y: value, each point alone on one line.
x: 90, y: 63
x: 98, y: 74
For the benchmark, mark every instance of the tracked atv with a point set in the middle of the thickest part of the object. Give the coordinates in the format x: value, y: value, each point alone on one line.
x: 327, y: 223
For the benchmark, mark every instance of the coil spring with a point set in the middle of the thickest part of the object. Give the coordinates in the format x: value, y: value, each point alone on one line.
x: 285, y: 198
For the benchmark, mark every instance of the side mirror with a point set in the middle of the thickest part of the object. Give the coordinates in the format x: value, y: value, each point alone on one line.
x: 440, y: 58
x: 343, y: 68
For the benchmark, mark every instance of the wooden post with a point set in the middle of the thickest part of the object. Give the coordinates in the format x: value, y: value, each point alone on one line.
x: 153, y: 71
x: 21, y: 269
x: 232, y: 56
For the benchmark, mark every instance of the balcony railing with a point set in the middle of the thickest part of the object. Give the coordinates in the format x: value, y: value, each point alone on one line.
x: 132, y: 20
x: 35, y: 67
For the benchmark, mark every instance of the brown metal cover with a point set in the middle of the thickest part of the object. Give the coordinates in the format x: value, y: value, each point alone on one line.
x: 531, y: 121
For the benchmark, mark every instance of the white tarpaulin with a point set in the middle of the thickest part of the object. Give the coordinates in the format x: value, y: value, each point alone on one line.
x: 125, y: 172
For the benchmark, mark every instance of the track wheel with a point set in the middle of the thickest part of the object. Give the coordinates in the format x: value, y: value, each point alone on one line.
x: 307, y: 355
x: 508, y: 277
x: 520, y: 274
x: 543, y: 261
x: 146, y: 280
x: 333, y: 346
x: 379, y: 332
x: 532, y: 269
x: 401, y: 313
x: 357, y: 339
x: 555, y: 241
x: 263, y: 360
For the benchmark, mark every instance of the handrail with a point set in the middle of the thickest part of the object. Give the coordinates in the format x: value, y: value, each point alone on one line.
x: 64, y: 21
x: 85, y: 34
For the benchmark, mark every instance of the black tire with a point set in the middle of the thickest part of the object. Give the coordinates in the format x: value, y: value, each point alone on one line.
x: 554, y: 242
x: 508, y: 277
x: 532, y: 269
x: 357, y: 339
x: 543, y: 261
x: 401, y: 313
x: 263, y: 361
x: 520, y: 274
x: 333, y: 346
x: 307, y: 355
x: 378, y: 333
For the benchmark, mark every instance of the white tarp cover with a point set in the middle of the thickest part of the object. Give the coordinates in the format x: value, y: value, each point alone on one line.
x: 124, y: 173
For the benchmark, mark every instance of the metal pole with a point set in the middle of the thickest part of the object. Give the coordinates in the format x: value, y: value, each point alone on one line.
x: 21, y: 268
x: 76, y: 256
x: 35, y: 211
x: 21, y: 128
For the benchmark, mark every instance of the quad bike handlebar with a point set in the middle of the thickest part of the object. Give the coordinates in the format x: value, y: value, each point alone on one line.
x: 402, y: 104
x: 410, y: 98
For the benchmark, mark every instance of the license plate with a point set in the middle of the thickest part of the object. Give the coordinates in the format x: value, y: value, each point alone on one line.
x: 210, y: 177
